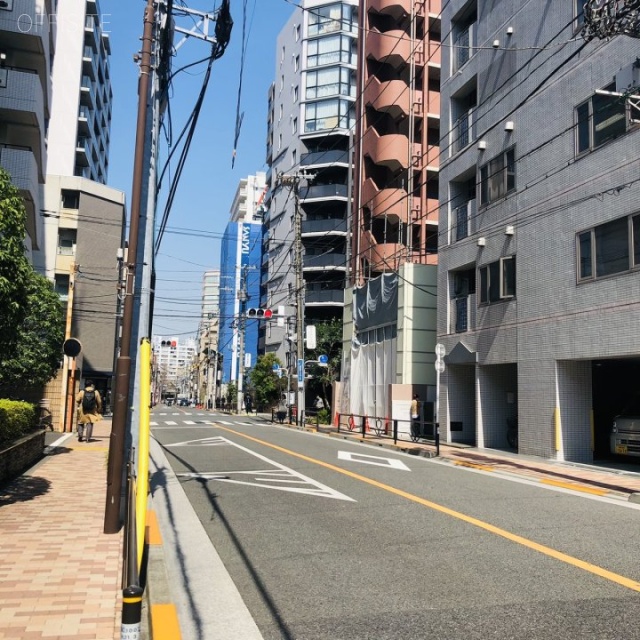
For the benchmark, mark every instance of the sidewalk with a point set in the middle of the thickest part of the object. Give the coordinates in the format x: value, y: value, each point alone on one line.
x: 60, y: 575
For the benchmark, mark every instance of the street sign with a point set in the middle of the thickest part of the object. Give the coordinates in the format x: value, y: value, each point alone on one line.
x: 440, y: 350
x: 323, y: 359
x: 300, y: 370
x: 275, y: 366
x: 439, y: 365
x: 72, y: 347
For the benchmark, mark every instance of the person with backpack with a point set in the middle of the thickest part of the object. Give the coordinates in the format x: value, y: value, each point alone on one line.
x: 89, y: 409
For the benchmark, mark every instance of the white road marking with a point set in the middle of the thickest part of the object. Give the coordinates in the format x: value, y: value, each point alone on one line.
x: 171, y: 422
x: 280, y: 478
x: 393, y: 463
x: 188, y: 422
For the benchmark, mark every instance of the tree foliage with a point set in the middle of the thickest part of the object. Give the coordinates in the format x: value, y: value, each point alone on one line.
x: 14, y: 266
x: 265, y: 384
x: 328, y: 343
x: 35, y: 356
x: 31, y: 315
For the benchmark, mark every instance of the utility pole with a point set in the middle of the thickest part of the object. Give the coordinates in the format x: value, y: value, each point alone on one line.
x: 120, y: 395
x: 242, y: 323
x: 69, y: 368
x: 293, y: 181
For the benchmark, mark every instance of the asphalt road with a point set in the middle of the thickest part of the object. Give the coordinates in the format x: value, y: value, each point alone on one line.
x: 324, y: 538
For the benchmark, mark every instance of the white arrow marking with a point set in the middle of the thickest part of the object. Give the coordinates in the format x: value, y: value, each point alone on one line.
x: 281, y: 478
x: 377, y: 460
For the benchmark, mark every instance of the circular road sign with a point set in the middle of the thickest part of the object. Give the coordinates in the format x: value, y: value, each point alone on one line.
x: 323, y: 359
x: 439, y: 365
x: 440, y: 351
x: 72, y: 347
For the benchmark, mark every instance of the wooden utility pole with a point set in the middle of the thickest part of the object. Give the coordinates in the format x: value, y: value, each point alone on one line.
x: 69, y: 363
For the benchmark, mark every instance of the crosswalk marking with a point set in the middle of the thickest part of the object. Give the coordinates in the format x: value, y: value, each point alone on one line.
x: 170, y: 422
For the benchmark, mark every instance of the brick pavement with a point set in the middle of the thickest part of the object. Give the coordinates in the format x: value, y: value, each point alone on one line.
x: 60, y: 575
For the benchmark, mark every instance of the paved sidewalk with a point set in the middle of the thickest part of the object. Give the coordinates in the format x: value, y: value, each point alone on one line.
x: 60, y: 575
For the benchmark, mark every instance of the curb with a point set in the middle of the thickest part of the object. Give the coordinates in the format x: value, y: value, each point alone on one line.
x: 159, y: 614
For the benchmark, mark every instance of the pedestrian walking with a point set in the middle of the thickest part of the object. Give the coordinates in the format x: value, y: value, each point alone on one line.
x: 415, y: 417
x: 248, y: 404
x: 89, y: 409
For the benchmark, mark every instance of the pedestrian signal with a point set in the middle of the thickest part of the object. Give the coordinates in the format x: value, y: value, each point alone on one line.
x: 260, y: 314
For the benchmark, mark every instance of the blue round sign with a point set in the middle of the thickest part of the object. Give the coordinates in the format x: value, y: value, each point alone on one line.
x: 323, y: 359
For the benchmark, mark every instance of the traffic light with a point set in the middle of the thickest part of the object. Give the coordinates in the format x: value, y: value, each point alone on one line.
x: 260, y: 314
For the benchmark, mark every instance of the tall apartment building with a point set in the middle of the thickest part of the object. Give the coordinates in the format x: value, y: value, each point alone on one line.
x: 208, y: 331
x: 240, y: 260
x: 394, y: 249
x: 27, y: 44
x: 539, y: 246
x: 79, y: 132
x: 310, y: 124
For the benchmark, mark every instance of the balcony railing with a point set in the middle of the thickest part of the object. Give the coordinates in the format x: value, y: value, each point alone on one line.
x: 463, y: 131
x: 333, y: 156
x: 324, y: 296
x: 324, y: 260
x: 464, y: 219
x: 324, y: 226
x: 464, y: 313
x: 324, y: 191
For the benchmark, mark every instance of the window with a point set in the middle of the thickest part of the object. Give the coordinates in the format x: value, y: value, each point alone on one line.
x: 463, y: 35
x: 294, y: 158
x: 70, y: 199
x: 296, y: 32
x: 296, y: 62
x: 330, y: 50
x: 294, y: 125
x: 279, y: 141
x: 67, y: 242
x: 282, y: 55
x: 609, y: 248
x: 600, y: 119
x: 579, y: 7
x: 329, y: 114
x: 498, y: 280
x: 498, y: 177
x: 295, y: 94
x: 332, y: 81
x: 332, y: 17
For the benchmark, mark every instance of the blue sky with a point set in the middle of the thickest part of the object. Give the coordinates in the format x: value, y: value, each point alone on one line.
x: 208, y: 182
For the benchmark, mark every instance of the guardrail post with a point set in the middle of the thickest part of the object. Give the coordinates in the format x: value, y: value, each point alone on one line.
x: 131, y: 613
x: 437, y: 425
x: 395, y: 432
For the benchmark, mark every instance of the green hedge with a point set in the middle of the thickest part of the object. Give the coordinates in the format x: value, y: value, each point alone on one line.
x: 17, y: 419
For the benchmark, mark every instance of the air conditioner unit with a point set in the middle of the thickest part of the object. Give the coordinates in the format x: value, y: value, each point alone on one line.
x: 482, y: 144
x: 509, y: 230
x: 508, y: 126
x: 482, y: 242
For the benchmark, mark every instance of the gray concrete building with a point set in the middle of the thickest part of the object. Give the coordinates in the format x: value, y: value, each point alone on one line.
x: 311, y: 114
x: 539, y: 241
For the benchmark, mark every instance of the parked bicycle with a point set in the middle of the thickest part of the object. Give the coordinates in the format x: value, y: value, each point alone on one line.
x: 45, y: 419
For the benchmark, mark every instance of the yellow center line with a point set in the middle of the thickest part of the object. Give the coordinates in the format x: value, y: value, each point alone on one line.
x: 525, y: 542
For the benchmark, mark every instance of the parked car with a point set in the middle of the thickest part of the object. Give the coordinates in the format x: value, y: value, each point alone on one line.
x: 625, y: 432
x: 183, y: 402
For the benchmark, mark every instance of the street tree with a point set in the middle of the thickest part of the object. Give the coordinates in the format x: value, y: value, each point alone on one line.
x: 15, y: 269
x: 35, y: 355
x: 329, y: 343
x: 265, y: 382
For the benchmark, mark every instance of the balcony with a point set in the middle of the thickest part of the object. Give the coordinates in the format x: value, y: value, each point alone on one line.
x: 323, y: 192
x: 392, y: 97
x: 27, y: 28
x: 22, y: 110
x: 83, y: 151
x: 382, y: 257
x: 324, y: 227
x: 392, y: 47
x: 324, y: 261
x: 397, y: 9
x: 320, y: 158
x: 384, y: 201
x: 324, y: 296
x: 391, y: 150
